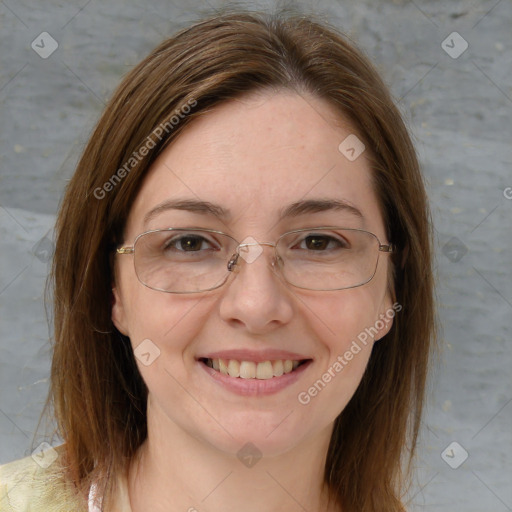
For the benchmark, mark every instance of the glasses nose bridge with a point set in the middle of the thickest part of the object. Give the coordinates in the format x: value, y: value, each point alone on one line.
x: 233, y: 261
x: 256, y: 243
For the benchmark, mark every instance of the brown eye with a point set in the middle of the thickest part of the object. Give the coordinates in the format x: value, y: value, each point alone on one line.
x: 187, y: 243
x: 190, y: 243
x: 322, y: 242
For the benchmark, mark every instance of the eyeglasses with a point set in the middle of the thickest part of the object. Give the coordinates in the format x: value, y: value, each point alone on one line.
x: 197, y: 260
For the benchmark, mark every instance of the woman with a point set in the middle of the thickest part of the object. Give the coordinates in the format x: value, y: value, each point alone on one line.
x: 242, y: 285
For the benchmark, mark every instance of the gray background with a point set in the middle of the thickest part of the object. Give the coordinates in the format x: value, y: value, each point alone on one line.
x: 459, y: 111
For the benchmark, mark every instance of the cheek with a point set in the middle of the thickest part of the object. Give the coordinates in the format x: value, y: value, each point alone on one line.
x: 344, y: 316
x: 162, y: 328
x: 344, y: 326
x: 169, y: 321
x: 167, y: 327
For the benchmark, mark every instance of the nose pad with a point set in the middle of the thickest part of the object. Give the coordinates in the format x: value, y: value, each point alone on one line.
x: 276, y: 263
x: 233, y: 263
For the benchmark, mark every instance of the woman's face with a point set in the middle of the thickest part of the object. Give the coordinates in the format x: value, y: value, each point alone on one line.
x: 254, y: 157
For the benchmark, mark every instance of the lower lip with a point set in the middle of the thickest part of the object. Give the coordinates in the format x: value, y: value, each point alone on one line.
x: 255, y: 387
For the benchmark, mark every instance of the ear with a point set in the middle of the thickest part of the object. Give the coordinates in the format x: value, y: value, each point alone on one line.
x: 385, y: 320
x: 118, y: 312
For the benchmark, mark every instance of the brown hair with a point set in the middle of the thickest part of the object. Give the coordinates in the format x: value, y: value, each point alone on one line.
x: 97, y: 393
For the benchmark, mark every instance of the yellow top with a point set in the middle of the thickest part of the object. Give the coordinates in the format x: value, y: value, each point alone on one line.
x: 37, y: 484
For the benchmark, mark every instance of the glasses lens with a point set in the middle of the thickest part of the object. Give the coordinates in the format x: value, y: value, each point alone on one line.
x: 186, y: 261
x: 328, y: 259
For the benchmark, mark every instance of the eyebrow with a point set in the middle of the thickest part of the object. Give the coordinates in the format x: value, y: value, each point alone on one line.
x: 295, y: 209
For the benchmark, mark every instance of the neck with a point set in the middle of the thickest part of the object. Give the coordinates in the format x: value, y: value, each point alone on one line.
x: 175, y: 471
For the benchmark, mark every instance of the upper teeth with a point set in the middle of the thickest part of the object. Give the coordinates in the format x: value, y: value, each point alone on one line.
x: 252, y: 370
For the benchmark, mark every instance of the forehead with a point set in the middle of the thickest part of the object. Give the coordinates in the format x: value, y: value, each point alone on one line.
x: 256, y: 155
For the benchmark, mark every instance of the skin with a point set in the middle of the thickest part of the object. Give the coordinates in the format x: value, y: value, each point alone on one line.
x: 253, y: 156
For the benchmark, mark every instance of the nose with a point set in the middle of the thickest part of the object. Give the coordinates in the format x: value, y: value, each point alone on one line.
x: 256, y: 296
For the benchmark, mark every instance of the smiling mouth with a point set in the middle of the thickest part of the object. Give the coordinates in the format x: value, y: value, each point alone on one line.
x: 252, y: 370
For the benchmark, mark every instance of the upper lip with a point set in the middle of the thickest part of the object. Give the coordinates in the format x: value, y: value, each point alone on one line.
x: 254, y: 355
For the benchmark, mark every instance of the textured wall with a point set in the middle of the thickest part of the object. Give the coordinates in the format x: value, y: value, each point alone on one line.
x: 458, y: 104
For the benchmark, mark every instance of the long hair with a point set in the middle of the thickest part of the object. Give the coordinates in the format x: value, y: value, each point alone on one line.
x: 96, y: 392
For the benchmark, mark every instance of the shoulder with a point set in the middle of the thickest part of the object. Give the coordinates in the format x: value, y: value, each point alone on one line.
x: 38, y: 483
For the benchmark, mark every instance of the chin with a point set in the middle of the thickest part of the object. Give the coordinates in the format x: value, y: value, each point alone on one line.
x: 270, y: 433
